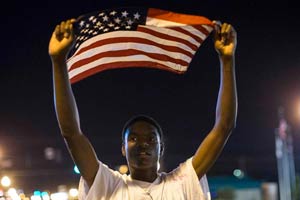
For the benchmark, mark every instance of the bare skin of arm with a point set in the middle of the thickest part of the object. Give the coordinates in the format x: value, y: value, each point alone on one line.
x: 79, y: 146
x: 226, y: 109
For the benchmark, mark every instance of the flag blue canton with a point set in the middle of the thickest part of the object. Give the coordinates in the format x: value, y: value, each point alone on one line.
x: 105, y: 21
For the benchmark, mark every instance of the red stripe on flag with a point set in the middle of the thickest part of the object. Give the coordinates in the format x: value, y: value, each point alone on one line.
x: 167, y: 37
x: 131, y: 40
x: 177, y: 17
x: 179, y: 29
x: 127, y: 52
x: 115, y: 65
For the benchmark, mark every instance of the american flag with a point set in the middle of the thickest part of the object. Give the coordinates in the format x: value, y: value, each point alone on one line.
x: 135, y: 37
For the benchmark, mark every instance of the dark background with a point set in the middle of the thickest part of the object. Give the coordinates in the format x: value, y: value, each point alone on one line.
x: 267, y: 71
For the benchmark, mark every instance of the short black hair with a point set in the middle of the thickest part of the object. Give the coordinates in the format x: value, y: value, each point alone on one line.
x: 145, y: 118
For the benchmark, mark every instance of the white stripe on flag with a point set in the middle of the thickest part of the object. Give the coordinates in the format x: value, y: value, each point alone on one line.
x: 175, y: 33
x: 150, y: 21
x: 139, y: 34
x: 128, y: 46
x: 196, y: 32
x: 133, y: 58
x: 119, y: 34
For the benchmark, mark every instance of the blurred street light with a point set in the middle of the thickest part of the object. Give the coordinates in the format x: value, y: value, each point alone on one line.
x: 73, y: 192
x: 123, y: 169
x: 5, y: 181
x: 12, y: 193
x: 1, y: 153
x: 76, y: 170
x: 238, y: 173
x: 298, y: 110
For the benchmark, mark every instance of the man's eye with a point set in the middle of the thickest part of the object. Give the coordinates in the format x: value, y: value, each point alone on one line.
x: 132, y: 139
x: 153, y: 140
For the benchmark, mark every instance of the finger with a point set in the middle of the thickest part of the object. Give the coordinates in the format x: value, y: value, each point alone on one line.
x: 228, y: 28
x: 217, y: 24
x: 226, y: 32
x: 62, y: 27
x: 58, y: 33
x: 57, y: 30
x: 224, y: 29
x: 217, y: 29
x: 222, y: 33
x: 70, y: 21
x: 68, y: 29
x: 232, y: 34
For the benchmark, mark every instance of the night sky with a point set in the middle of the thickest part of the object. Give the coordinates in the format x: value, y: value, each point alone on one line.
x: 267, y: 72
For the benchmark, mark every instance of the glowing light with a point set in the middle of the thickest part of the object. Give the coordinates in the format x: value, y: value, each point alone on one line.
x: 73, y: 192
x: 33, y: 197
x: 238, y: 173
x: 59, y: 196
x: 1, y: 153
x: 37, y: 193
x: 45, y: 196
x: 12, y: 192
x: 22, y: 196
x: 298, y: 110
x: 123, y: 169
x: 49, y: 153
x: 5, y: 181
x: 76, y: 170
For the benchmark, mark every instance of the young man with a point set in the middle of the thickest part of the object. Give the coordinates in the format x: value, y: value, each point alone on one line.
x: 142, y: 136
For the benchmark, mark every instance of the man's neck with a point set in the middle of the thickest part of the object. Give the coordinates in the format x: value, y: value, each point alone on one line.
x: 147, y: 175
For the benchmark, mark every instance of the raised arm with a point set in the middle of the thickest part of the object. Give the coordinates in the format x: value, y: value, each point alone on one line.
x: 226, y: 110
x: 79, y: 146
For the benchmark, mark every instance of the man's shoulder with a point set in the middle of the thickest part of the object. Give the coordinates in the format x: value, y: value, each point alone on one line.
x: 181, y: 167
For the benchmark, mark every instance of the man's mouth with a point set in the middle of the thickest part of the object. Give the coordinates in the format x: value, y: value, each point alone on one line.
x: 143, y: 153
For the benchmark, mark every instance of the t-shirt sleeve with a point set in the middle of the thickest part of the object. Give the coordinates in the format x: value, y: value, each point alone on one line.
x: 105, y: 181
x: 194, y: 188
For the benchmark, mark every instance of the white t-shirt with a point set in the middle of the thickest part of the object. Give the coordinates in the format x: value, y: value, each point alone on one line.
x: 180, y: 184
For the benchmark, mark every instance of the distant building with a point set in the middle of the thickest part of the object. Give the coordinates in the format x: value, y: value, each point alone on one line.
x: 233, y: 188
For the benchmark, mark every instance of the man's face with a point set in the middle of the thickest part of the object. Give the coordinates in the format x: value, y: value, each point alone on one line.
x: 142, y: 145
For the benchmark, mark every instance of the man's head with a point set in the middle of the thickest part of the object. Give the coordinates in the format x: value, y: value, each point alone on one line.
x: 142, y: 142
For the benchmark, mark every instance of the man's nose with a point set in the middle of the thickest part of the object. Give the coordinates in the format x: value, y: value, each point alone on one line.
x: 143, y: 143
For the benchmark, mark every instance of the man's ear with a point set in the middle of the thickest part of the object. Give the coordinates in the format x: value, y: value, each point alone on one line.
x: 123, y: 149
x: 162, y: 149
